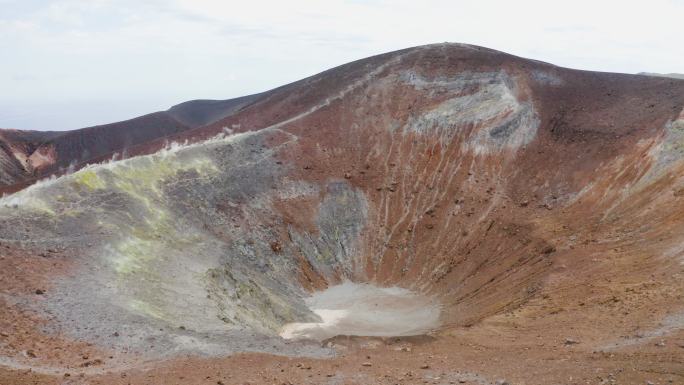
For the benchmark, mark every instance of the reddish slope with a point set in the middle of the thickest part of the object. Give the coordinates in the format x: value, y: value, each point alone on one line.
x: 15, y: 149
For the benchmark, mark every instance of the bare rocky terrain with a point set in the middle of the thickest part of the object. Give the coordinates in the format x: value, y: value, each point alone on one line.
x: 670, y: 75
x: 538, y: 208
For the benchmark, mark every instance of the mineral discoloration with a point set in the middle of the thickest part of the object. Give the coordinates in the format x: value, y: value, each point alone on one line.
x: 483, y: 107
x: 670, y: 148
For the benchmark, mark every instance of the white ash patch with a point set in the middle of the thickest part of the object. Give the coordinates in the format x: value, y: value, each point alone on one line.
x: 366, y: 310
x: 484, y: 109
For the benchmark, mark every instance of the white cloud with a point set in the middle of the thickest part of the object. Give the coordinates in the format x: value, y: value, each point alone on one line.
x: 162, y: 52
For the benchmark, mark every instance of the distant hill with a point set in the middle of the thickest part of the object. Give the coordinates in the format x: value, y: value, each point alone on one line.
x: 200, y: 112
x: 671, y: 75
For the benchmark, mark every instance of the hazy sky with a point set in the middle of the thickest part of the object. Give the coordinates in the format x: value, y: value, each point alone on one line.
x: 73, y: 63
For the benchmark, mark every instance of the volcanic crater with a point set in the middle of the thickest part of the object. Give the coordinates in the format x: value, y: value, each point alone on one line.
x: 494, y: 205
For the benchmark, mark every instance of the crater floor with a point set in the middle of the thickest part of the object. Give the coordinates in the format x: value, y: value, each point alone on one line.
x: 352, y: 309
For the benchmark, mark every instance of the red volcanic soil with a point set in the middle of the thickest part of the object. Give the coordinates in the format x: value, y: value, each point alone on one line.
x: 541, y: 205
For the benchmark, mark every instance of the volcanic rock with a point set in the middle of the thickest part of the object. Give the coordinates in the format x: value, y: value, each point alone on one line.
x: 227, y: 217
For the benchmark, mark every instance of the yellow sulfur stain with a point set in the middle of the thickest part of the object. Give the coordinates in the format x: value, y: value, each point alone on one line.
x: 146, y: 308
x: 89, y: 179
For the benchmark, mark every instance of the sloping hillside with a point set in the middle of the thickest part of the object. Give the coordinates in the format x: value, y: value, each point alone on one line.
x: 537, y: 208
